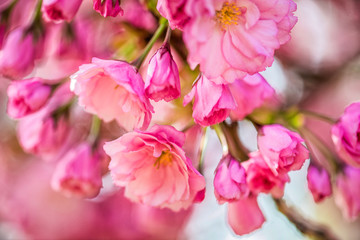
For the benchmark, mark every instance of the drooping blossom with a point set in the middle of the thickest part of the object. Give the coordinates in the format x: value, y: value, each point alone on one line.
x: 78, y: 173
x: 19, y: 53
x: 108, y: 8
x: 282, y: 149
x: 162, y: 79
x: 113, y: 90
x: 249, y: 93
x: 27, y: 96
x: 230, y: 39
x: 60, y: 10
x: 230, y: 180
x: 346, y: 135
x: 245, y: 216
x: 261, y: 179
x: 174, y: 11
x: 347, y: 192
x: 319, y: 183
x: 212, y: 102
x: 153, y: 168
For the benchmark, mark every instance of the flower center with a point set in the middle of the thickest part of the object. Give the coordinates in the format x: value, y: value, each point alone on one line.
x: 164, y: 159
x: 229, y: 14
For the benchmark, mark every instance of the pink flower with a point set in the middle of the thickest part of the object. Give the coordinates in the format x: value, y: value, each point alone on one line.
x: 319, y: 183
x: 113, y: 90
x: 245, y: 216
x: 347, y: 192
x: 174, y: 11
x: 346, y: 135
x: 249, y: 93
x: 230, y: 39
x: 282, y: 149
x: 153, y: 168
x: 230, y: 180
x: 260, y: 178
x: 135, y: 8
x: 60, y: 10
x: 212, y: 102
x: 18, y: 54
x: 27, y: 96
x: 108, y: 7
x: 78, y: 174
x: 162, y: 80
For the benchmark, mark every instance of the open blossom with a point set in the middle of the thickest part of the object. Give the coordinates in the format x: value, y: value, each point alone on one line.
x: 319, y: 183
x: 174, y: 11
x: 113, y: 90
x: 162, y: 79
x: 60, y: 10
x: 282, y: 149
x: 346, y: 137
x: 230, y: 180
x: 78, y: 174
x: 249, y: 93
x: 347, y: 192
x: 212, y: 102
x: 261, y: 179
x: 108, y: 8
x: 153, y: 168
x: 230, y: 39
x: 27, y: 96
x: 245, y: 216
x: 18, y: 54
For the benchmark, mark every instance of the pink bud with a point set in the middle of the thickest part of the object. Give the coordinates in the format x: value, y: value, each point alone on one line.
x: 27, y: 96
x: 347, y: 192
x: 78, y: 174
x: 319, y: 183
x: 245, y: 216
x: 60, y: 10
x: 346, y: 137
x: 230, y: 180
x: 162, y: 80
x: 108, y: 8
x: 18, y: 54
x: 174, y: 11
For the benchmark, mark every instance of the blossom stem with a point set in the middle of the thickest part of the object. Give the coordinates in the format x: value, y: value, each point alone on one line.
x: 318, y: 116
x: 163, y: 24
x: 219, y: 132
x: 308, y: 228
x: 168, y: 35
x: 94, y: 130
x: 203, y: 145
x: 236, y: 148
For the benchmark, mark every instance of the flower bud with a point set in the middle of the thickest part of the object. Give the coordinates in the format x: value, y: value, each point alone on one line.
x: 162, y: 80
x: 78, y: 174
x: 108, y: 8
x: 60, y: 10
x: 319, y: 183
x: 27, y: 96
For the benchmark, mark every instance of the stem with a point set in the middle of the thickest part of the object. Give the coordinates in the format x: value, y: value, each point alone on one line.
x: 308, y: 228
x: 168, y: 35
x: 203, y: 145
x: 318, y: 116
x: 94, y: 130
x: 236, y: 147
x: 222, y: 138
x: 163, y: 24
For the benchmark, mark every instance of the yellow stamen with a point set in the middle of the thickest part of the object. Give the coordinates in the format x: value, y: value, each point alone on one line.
x: 164, y: 159
x: 229, y: 15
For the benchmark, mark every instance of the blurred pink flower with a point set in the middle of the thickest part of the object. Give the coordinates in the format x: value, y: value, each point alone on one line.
x: 108, y: 8
x: 162, y: 80
x: 230, y: 180
x: 60, y: 10
x: 249, y: 93
x: 18, y: 54
x: 174, y: 11
x: 260, y: 178
x: 153, y: 168
x: 27, y: 96
x: 347, y: 192
x: 346, y: 135
x: 282, y: 149
x: 135, y: 8
x: 113, y: 90
x: 78, y: 174
x: 232, y: 39
x: 212, y: 102
x: 245, y: 216
x: 319, y: 183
